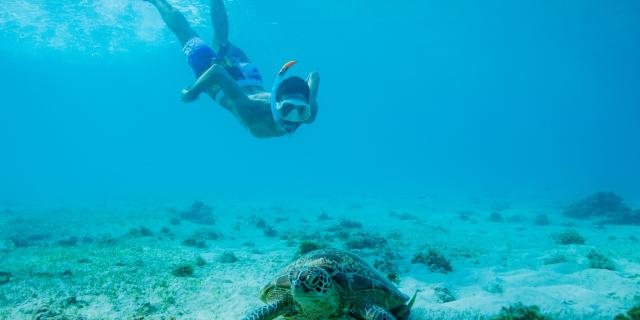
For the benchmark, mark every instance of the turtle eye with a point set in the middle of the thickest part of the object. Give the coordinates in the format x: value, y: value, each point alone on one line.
x: 312, y: 280
x: 296, y: 278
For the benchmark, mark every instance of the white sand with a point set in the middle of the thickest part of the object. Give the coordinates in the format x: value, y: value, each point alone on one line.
x: 495, y: 263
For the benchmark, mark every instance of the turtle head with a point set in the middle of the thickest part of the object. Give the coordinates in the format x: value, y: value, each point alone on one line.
x: 313, y: 290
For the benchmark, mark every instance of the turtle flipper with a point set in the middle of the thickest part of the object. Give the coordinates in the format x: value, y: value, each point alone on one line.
x: 267, y: 312
x: 372, y: 312
x: 402, y: 313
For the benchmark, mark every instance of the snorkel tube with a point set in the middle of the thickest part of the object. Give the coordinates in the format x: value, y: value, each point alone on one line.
x: 279, y: 77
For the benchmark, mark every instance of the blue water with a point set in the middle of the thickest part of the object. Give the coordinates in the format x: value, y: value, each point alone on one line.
x: 461, y: 128
x: 416, y: 96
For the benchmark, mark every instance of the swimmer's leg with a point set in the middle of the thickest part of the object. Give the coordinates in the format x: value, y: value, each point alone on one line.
x: 174, y: 20
x: 220, y: 22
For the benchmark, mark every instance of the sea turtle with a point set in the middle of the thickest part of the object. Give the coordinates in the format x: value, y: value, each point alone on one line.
x: 331, y: 284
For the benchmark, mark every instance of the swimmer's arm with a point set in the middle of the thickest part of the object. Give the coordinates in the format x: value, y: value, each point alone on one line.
x: 314, y: 84
x: 216, y: 75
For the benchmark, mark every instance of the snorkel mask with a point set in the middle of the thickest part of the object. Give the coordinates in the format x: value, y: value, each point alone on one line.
x: 292, y: 110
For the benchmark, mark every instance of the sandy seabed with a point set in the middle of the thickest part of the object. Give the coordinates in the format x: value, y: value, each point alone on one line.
x: 147, y: 261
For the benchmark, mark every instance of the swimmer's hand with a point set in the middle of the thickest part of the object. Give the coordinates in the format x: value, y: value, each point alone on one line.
x: 189, y: 95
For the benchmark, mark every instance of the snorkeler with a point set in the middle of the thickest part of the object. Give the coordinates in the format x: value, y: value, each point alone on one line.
x: 225, y: 73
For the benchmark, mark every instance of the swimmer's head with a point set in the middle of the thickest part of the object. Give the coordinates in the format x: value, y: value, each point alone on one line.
x: 292, y: 100
x: 293, y: 88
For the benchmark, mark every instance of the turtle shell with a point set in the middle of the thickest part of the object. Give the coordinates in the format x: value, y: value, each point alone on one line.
x: 357, y: 280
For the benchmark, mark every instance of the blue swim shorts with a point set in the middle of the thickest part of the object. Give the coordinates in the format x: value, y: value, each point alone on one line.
x: 201, y: 57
